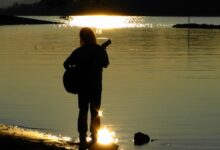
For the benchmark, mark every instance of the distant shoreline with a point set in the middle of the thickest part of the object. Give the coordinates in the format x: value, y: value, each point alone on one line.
x: 13, y: 20
x: 197, y: 26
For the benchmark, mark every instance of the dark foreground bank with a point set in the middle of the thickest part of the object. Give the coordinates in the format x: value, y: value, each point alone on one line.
x: 17, y: 138
x: 13, y: 20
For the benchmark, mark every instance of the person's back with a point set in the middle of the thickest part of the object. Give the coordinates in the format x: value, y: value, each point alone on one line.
x: 91, y: 61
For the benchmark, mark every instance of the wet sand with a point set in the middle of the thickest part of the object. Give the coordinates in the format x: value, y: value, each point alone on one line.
x: 13, y: 137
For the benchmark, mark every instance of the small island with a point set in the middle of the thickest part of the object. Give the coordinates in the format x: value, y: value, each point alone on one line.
x: 14, y: 20
x: 197, y: 26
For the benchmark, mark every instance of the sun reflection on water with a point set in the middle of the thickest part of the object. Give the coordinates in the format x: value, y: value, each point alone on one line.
x: 100, y: 113
x: 106, y: 22
x: 105, y: 136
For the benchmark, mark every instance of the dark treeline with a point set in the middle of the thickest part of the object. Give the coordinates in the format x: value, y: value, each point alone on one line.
x: 128, y: 7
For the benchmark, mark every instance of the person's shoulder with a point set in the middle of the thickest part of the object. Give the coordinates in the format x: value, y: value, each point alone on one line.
x: 98, y: 47
x: 94, y: 47
x: 78, y: 49
x: 89, y: 47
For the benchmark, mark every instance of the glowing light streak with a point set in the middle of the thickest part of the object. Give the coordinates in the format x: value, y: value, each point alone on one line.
x: 105, y: 136
x: 105, y: 22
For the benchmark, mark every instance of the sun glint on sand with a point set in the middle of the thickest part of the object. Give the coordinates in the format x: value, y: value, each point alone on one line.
x: 13, y: 137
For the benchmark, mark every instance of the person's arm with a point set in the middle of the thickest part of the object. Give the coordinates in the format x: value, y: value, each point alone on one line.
x: 104, y: 58
x: 71, y: 60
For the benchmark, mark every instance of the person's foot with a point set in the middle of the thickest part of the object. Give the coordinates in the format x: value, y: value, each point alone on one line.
x: 94, y: 138
x: 83, y: 143
x: 83, y: 146
x: 91, y: 143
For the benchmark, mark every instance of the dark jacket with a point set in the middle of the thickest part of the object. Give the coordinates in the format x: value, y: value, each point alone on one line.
x: 90, y: 60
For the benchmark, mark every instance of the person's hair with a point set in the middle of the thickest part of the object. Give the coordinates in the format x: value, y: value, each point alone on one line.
x: 87, y: 36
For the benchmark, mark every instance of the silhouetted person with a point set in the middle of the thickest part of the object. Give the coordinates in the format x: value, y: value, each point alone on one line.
x: 90, y: 58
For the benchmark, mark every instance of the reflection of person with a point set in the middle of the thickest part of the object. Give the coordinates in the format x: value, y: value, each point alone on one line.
x: 90, y: 58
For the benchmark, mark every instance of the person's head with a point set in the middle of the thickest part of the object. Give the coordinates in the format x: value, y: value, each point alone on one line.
x: 87, y: 36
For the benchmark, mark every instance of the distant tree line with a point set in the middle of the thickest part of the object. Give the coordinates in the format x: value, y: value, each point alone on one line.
x: 123, y: 7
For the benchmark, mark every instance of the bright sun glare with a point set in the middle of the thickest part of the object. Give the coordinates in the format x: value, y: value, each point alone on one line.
x: 103, y: 22
x: 105, y: 136
x: 100, y: 113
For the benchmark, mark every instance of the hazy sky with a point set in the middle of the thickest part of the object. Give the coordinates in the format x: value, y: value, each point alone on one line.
x: 6, y: 3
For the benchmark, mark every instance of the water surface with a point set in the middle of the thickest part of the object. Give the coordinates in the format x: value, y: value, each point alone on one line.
x: 158, y: 82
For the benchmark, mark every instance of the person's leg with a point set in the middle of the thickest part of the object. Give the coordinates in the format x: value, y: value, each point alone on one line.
x: 95, y: 118
x: 82, y: 118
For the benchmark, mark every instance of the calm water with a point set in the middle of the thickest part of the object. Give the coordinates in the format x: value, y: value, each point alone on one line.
x: 159, y: 82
